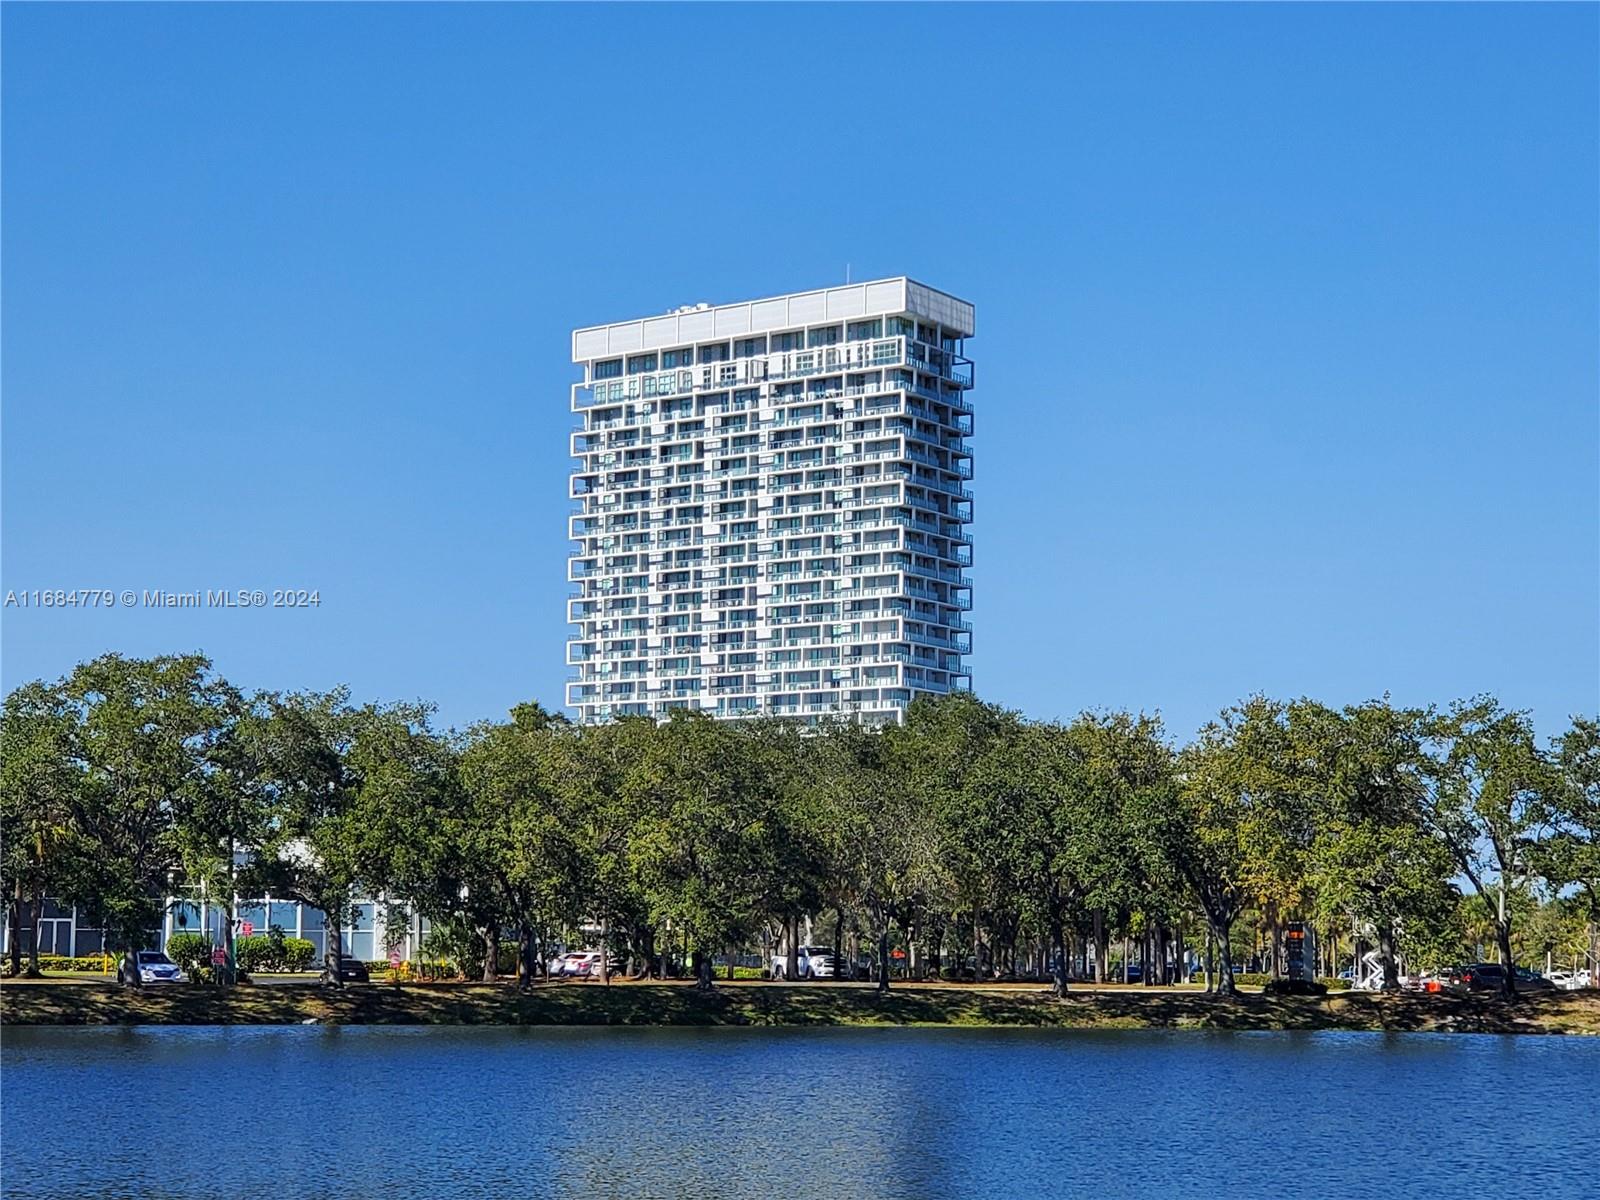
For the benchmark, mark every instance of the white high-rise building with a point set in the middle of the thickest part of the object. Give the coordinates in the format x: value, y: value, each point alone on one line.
x: 773, y: 506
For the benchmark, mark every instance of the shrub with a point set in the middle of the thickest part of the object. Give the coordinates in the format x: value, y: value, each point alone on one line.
x: 1334, y: 984
x: 1295, y: 987
x: 298, y: 954
x: 85, y: 963
x: 254, y: 954
x: 191, y: 951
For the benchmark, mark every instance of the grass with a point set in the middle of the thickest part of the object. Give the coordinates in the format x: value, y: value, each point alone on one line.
x: 96, y: 1002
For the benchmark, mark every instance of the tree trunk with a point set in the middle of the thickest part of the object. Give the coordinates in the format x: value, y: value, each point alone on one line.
x: 605, y: 952
x: 229, y: 959
x: 525, y: 951
x: 331, y: 950
x: 791, y: 955
x: 35, y: 914
x: 14, y: 931
x: 491, y: 953
x: 1210, y: 962
x: 883, y: 955
x: 1508, y: 976
x: 702, y: 971
x: 130, y: 968
x: 1222, y: 932
x: 977, y: 947
x: 1099, y: 945
x: 1058, y: 950
x: 1391, y: 969
x: 1127, y: 954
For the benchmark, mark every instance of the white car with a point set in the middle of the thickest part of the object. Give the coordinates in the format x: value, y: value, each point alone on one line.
x: 1569, y: 981
x: 815, y: 962
x: 153, y: 967
x: 584, y: 965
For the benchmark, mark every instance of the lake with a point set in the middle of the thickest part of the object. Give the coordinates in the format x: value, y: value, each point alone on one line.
x: 644, y: 1113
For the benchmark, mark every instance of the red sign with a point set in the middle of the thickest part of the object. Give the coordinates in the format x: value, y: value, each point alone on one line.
x: 897, y: 954
x: 246, y: 928
x: 219, y: 956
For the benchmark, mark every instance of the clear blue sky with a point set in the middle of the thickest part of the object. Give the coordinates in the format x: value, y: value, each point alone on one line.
x: 1287, y: 352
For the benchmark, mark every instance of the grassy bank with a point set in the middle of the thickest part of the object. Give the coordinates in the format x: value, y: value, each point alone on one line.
x: 96, y: 1003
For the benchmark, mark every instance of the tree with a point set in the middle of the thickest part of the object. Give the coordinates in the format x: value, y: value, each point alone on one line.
x: 1229, y: 828
x: 1490, y: 804
x: 1371, y: 860
x: 357, y: 795
x: 703, y: 816
x: 516, y: 845
x: 41, y: 778
x: 1571, y: 856
x: 932, y: 757
x: 144, y: 729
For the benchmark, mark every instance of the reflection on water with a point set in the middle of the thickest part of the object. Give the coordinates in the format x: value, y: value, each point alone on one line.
x: 444, y: 1112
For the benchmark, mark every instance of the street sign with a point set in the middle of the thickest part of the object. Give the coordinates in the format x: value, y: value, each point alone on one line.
x: 246, y: 928
x: 219, y: 956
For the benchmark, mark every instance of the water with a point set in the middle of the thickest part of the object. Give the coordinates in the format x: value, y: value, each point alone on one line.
x: 438, y: 1112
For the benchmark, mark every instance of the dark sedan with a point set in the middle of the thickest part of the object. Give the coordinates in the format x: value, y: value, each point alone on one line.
x: 353, y: 970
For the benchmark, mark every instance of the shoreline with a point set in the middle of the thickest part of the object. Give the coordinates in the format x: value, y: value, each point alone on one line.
x: 755, y: 1005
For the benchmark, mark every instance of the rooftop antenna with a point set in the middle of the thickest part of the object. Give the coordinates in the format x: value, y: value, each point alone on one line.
x: 847, y: 272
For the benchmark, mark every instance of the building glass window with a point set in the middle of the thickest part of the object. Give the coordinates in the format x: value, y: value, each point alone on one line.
x: 610, y: 369
x: 638, y: 363
x: 827, y: 335
x: 861, y: 331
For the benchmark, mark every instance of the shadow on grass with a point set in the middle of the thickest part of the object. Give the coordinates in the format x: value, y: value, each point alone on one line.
x: 765, y: 1005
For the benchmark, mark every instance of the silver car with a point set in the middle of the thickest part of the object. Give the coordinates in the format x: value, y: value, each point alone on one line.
x: 153, y: 967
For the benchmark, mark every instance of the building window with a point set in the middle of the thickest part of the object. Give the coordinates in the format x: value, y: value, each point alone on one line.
x: 641, y: 362
x: 861, y: 331
x: 750, y: 347
x: 784, y: 342
x: 714, y: 353
x: 828, y: 335
x: 610, y: 369
x: 901, y: 327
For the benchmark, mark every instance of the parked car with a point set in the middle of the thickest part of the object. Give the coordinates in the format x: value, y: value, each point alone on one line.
x: 558, y: 966
x: 1532, y: 981
x: 814, y: 962
x: 1569, y: 981
x: 584, y: 964
x: 1483, y: 977
x: 153, y: 967
x: 353, y: 970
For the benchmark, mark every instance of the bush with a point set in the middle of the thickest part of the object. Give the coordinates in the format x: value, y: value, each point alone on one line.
x: 1334, y: 984
x: 257, y: 954
x: 191, y: 951
x: 298, y: 954
x: 87, y: 964
x: 1295, y: 987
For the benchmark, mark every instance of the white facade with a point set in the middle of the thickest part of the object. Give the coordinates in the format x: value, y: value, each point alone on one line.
x: 772, y: 506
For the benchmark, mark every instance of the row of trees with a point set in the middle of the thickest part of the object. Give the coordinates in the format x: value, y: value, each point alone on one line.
x: 969, y: 838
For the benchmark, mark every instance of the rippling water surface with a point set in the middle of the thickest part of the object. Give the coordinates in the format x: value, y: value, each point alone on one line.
x: 443, y: 1112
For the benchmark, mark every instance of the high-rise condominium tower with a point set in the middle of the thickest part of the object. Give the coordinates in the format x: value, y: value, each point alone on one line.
x: 773, y: 506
